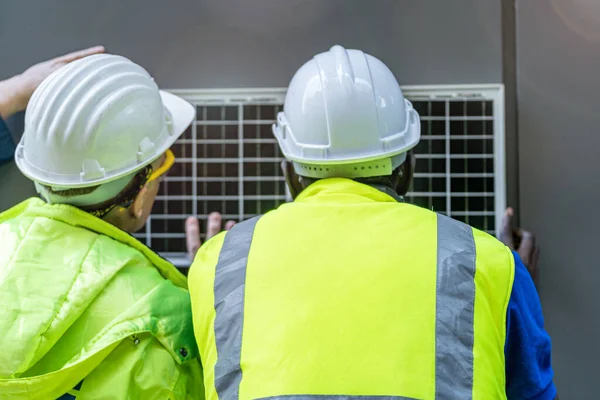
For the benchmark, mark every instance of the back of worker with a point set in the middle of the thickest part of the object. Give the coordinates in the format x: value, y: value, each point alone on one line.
x: 340, y: 298
x: 88, y: 311
x: 349, y: 292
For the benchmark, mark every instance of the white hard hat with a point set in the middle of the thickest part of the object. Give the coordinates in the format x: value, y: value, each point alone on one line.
x: 345, y: 116
x: 96, y: 120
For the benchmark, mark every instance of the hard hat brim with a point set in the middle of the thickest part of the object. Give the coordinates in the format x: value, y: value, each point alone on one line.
x: 182, y: 112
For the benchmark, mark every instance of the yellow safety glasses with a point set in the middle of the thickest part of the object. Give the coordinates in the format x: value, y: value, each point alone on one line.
x: 164, y: 168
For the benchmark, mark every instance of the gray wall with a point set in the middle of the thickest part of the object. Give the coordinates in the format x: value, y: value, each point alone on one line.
x: 241, y: 43
x: 558, y: 67
x: 258, y: 43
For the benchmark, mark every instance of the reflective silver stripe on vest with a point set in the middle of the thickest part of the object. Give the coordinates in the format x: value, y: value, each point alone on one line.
x: 230, y: 281
x: 455, y: 305
x: 455, y: 301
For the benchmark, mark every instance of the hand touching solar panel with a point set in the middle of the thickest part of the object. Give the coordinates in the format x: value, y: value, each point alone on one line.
x: 521, y: 241
x: 228, y: 161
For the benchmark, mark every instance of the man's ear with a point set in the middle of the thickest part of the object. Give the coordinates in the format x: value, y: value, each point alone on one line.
x: 137, y: 207
x: 291, y: 178
x: 405, y: 178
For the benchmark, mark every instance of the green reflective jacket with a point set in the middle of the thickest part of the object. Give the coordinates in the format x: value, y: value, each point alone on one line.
x: 87, y: 311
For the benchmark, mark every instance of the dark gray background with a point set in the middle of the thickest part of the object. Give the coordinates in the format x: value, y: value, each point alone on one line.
x: 558, y: 53
x: 545, y: 51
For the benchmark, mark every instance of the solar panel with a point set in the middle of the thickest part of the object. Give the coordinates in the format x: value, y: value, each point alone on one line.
x: 228, y: 160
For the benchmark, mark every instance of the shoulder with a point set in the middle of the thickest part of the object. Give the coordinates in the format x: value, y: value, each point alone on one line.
x: 209, y: 250
x: 494, y: 264
x: 493, y: 253
x: 29, y: 233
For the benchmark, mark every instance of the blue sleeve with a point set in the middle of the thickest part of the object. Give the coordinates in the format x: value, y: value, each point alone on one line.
x: 7, y: 146
x: 528, y: 347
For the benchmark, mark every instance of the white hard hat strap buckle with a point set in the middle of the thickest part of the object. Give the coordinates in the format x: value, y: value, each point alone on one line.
x: 91, y: 170
x: 169, y: 121
x: 146, y: 149
x: 280, y: 128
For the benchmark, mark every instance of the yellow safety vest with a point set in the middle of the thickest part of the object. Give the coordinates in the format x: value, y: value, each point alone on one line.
x: 89, y: 312
x: 348, y: 294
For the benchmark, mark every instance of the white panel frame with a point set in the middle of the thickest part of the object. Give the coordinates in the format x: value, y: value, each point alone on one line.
x: 493, y: 92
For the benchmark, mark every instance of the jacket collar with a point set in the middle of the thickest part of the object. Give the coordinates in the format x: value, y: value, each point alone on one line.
x: 75, y: 217
x: 330, y: 190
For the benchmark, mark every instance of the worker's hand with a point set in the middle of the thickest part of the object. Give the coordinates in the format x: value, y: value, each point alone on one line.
x: 192, y: 231
x: 16, y: 91
x: 522, y: 241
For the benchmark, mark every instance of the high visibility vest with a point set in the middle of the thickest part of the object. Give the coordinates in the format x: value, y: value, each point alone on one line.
x: 89, y: 312
x: 348, y: 294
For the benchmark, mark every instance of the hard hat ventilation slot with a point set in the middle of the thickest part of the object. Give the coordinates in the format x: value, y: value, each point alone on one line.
x: 145, y: 150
